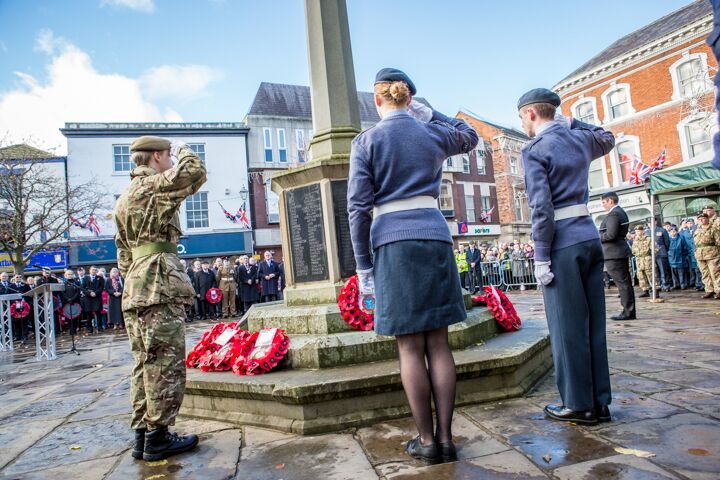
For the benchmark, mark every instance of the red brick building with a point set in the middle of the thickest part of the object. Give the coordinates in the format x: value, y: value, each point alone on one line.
x: 653, y: 90
x: 504, y: 145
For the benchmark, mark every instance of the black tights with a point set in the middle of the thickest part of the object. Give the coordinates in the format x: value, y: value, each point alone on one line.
x: 420, y: 380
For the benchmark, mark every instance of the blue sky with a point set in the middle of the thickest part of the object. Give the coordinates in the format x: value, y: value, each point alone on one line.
x: 202, y: 60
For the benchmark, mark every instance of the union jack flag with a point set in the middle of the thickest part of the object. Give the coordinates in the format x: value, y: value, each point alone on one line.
x: 228, y: 215
x: 639, y: 171
x: 93, y: 226
x: 485, y: 217
x: 660, y: 162
x: 77, y: 222
x: 242, y: 216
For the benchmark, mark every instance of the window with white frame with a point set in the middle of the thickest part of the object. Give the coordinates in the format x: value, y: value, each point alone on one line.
x: 626, y: 153
x: 690, y: 76
x: 618, y: 103
x: 470, y: 208
x: 466, y: 163
x: 272, y: 205
x: 485, y: 204
x: 196, y: 211
x: 300, y: 144
x: 267, y: 141
x: 596, y: 177
x: 585, y: 112
x: 282, y: 147
x: 121, y: 158
x: 480, y: 159
x: 199, y: 149
x: 518, y: 209
x: 513, y: 165
x: 697, y: 138
x: 445, y: 199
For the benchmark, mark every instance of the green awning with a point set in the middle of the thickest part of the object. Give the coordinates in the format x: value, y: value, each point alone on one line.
x: 683, y: 177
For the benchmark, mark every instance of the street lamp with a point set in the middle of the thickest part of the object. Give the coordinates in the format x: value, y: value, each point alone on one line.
x: 243, y: 193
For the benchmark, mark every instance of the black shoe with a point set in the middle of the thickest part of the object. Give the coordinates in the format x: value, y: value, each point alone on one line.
x: 564, y: 414
x: 448, y: 452
x: 603, y: 414
x: 161, y: 444
x: 621, y: 316
x: 645, y: 294
x: 700, y: 289
x: 427, y: 453
x: 139, y: 447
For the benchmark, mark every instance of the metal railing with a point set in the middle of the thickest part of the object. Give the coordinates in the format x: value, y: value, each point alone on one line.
x: 505, y: 274
x: 43, y: 310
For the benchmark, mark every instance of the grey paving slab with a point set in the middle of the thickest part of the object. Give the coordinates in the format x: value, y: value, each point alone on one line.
x: 687, y: 443
x: 17, y: 437
x: 104, y: 407
x: 700, y: 378
x: 500, y: 466
x: 307, y: 458
x: 693, y: 400
x: 44, y: 409
x: 618, y: 467
x: 634, y: 363
x: 215, y: 458
x: 640, y: 384
x: 254, y: 437
x: 90, y: 470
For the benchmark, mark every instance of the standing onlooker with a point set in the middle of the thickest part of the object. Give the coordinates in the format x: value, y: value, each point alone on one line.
x: 472, y: 256
x: 205, y: 280
x: 226, y: 280
x: 462, y: 266
x: 20, y: 287
x: 694, y: 275
x: 93, y: 286
x: 238, y: 298
x: 518, y: 265
x: 613, y: 230
x: 71, y: 296
x: 268, y: 273
x: 642, y: 250
x: 48, y: 277
x: 707, y: 252
x: 114, y: 289
x: 662, y: 242
x: 249, y: 282
x: 677, y: 256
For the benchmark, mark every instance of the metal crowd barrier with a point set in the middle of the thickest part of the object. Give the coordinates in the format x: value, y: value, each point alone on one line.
x: 506, y: 274
x: 43, y: 310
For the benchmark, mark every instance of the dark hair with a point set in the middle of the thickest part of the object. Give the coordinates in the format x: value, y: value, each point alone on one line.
x: 612, y: 196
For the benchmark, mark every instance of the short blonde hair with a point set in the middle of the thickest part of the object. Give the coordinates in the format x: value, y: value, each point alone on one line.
x: 397, y: 93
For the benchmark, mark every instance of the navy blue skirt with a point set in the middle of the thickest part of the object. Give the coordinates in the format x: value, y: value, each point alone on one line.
x: 417, y: 287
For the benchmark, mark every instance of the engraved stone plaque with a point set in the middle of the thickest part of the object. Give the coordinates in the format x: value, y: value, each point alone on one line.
x: 342, y: 228
x: 307, y: 234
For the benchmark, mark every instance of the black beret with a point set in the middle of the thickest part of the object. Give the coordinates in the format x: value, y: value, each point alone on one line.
x: 539, y: 95
x: 395, y: 75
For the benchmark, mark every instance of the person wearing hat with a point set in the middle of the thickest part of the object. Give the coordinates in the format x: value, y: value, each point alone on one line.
x: 616, y: 251
x: 568, y: 253
x: 157, y: 288
x: 712, y: 215
x: 642, y: 250
x: 394, y: 183
x: 677, y: 256
x: 205, y: 279
x: 707, y: 254
x: 473, y: 260
x: 694, y: 275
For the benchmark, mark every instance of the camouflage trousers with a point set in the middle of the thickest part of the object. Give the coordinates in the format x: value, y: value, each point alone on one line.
x: 710, y: 270
x: 644, y: 271
x: 157, y: 385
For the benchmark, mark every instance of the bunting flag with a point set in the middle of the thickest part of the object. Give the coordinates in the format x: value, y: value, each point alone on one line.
x: 77, y: 222
x: 485, y: 217
x: 639, y: 172
x: 660, y: 162
x: 228, y: 215
x: 242, y: 217
x: 93, y: 226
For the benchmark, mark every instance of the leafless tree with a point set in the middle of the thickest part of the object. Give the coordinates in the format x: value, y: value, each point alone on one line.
x: 36, y: 207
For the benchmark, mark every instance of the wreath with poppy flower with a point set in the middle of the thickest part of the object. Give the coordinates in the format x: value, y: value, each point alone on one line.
x: 19, y: 309
x: 348, y: 302
x: 501, y: 307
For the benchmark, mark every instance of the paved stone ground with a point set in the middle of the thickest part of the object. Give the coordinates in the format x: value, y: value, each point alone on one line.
x: 69, y: 418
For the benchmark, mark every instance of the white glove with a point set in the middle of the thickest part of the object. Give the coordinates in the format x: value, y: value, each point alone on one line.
x: 543, y: 275
x: 366, y: 282
x: 175, y: 148
x: 420, y: 111
x: 562, y: 119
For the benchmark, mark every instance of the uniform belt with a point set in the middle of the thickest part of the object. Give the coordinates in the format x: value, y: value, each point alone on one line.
x: 571, y: 211
x: 152, y: 248
x: 642, y: 256
x: 705, y: 245
x: 412, y: 203
x: 227, y: 279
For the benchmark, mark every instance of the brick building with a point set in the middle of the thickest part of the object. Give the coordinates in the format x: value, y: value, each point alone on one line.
x: 653, y: 90
x: 503, y: 145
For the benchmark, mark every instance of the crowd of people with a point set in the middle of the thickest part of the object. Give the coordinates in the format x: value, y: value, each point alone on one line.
x: 507, y: 263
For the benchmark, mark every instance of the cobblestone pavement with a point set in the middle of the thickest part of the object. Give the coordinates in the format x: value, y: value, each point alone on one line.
x: 69, y: 418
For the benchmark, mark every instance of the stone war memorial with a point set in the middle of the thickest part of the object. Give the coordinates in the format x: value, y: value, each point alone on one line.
x: 334, y: 377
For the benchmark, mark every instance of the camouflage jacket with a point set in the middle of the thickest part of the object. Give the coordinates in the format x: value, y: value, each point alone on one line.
x: 148, y: 212
x: 707, y: 241
x: 641, y: 246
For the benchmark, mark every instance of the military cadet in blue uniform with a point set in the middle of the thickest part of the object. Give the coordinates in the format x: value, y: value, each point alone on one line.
x: 568, y: 253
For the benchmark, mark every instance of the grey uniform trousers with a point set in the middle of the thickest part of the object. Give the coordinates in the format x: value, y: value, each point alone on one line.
x: 575, y: 310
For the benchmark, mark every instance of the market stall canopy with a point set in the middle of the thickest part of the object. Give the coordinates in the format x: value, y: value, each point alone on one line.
x: 686, y: 176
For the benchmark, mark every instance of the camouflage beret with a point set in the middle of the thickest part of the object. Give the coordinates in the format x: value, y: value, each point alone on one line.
x: 709, y: 207
x: 149, y: 143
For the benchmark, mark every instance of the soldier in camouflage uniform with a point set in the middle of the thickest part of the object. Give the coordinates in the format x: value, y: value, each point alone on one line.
x: 707, y: 254
x: 641, y: 249
x: 157, y: 288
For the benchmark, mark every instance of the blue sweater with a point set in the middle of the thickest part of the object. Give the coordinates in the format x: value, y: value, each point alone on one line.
x: 556, y: 163
x: 400, y: 158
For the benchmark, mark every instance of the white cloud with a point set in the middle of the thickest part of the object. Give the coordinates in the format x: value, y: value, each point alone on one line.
x: 145, y: 6
x: 74, y: 92
x: 178, y: 82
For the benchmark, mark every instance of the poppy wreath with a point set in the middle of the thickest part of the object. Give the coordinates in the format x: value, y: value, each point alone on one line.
x: 262, y: 360
x: 19, y: 309
x: 348, y: 302
x: 223, y: 359
x: 243, y: 351
x: 501, y: 308
x: 206, y: 344
x: 214, y: 295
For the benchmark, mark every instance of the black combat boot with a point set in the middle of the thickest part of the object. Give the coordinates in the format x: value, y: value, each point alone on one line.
x: 137, y: 451
x: 161, y: 444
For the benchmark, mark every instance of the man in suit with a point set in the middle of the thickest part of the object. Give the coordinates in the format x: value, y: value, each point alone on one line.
x: 93, y: 286
x: 662, y: 244
x: 613, y: 230
x: 568, y: 253
x: 268, y: 273
x: 4, y: 283
x: 205, y: 279
x: 473, y: 260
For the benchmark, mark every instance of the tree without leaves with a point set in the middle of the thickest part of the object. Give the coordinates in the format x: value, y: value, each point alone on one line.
x: 33, y: 200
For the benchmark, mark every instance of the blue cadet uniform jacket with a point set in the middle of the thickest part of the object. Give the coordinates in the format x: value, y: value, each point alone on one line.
x: 690, y: 244
x: 556, y: 164
x: 678, y: 251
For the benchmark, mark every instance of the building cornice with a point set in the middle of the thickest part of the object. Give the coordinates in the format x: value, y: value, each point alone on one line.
x: 163, y: 129
x: 697, y: 29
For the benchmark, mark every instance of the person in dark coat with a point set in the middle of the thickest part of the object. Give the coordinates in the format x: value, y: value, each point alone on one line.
x: 93, y: 286
x: 71, y: 296
x: 247, y: 280
x: 613, y: 230
x: 20, y: 327
x: 114, y: 287
x: 268, y: 273
x: 48, y: 277
x: 205, y: 279
x: 662, y: 243
x: 678, y: 258
x: 472, y: 255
